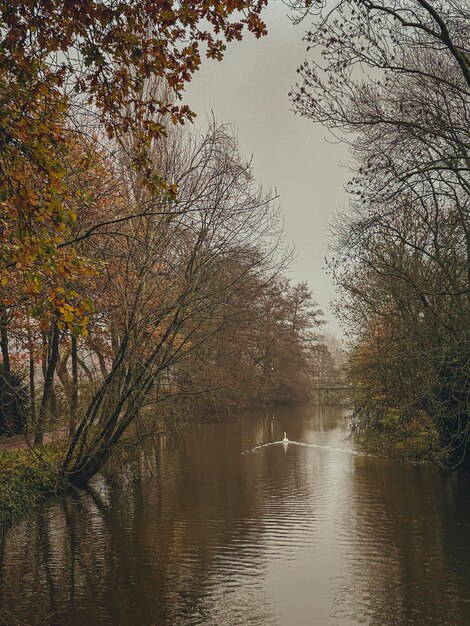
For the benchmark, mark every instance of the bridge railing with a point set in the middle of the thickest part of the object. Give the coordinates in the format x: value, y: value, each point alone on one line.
x: 331, y: 385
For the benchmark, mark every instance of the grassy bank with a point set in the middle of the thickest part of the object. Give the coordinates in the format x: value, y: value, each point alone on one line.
x: 26, y: 478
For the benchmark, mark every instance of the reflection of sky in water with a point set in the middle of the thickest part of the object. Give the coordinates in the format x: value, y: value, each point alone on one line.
x: 207, y: 532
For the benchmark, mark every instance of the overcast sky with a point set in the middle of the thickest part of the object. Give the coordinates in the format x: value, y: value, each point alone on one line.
x: 249, y: 89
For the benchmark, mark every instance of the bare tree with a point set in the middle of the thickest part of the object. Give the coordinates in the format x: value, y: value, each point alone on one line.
x: 165, y: 292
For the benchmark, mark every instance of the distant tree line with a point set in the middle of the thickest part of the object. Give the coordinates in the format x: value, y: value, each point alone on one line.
x: 392, y: 79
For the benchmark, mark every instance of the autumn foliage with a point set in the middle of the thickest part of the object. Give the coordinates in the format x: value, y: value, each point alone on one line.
x: 57, y: 58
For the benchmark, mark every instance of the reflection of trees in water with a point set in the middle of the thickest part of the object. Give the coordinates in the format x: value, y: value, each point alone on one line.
x: 139, y: 549
x: 409, y: 552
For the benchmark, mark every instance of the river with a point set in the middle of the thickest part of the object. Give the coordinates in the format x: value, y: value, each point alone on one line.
x: 209, y: 530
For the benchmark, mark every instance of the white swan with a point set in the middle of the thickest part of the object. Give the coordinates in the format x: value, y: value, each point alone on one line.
x: 285, y: 440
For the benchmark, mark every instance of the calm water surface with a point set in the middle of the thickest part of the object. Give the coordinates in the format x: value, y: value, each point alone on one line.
x: 204, y: 531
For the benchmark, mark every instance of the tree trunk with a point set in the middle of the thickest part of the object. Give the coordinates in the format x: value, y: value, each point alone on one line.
x: 6, y: 412
x: 74, y: 397
x: 32, y: 391
x: 4, y: 342
x: 63, y: 374
x: 48, y: 385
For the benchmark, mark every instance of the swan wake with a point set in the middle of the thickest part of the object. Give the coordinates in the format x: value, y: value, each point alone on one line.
x: 287, y: 442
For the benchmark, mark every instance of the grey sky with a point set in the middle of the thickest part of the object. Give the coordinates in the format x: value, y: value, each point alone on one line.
x: 249, y: 89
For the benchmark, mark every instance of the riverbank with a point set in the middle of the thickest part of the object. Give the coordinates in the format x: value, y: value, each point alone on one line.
x: 26, y: 478
x: 408, y: 443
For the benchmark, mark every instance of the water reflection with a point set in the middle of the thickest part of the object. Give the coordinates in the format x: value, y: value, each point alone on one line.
x: 195, y: 532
